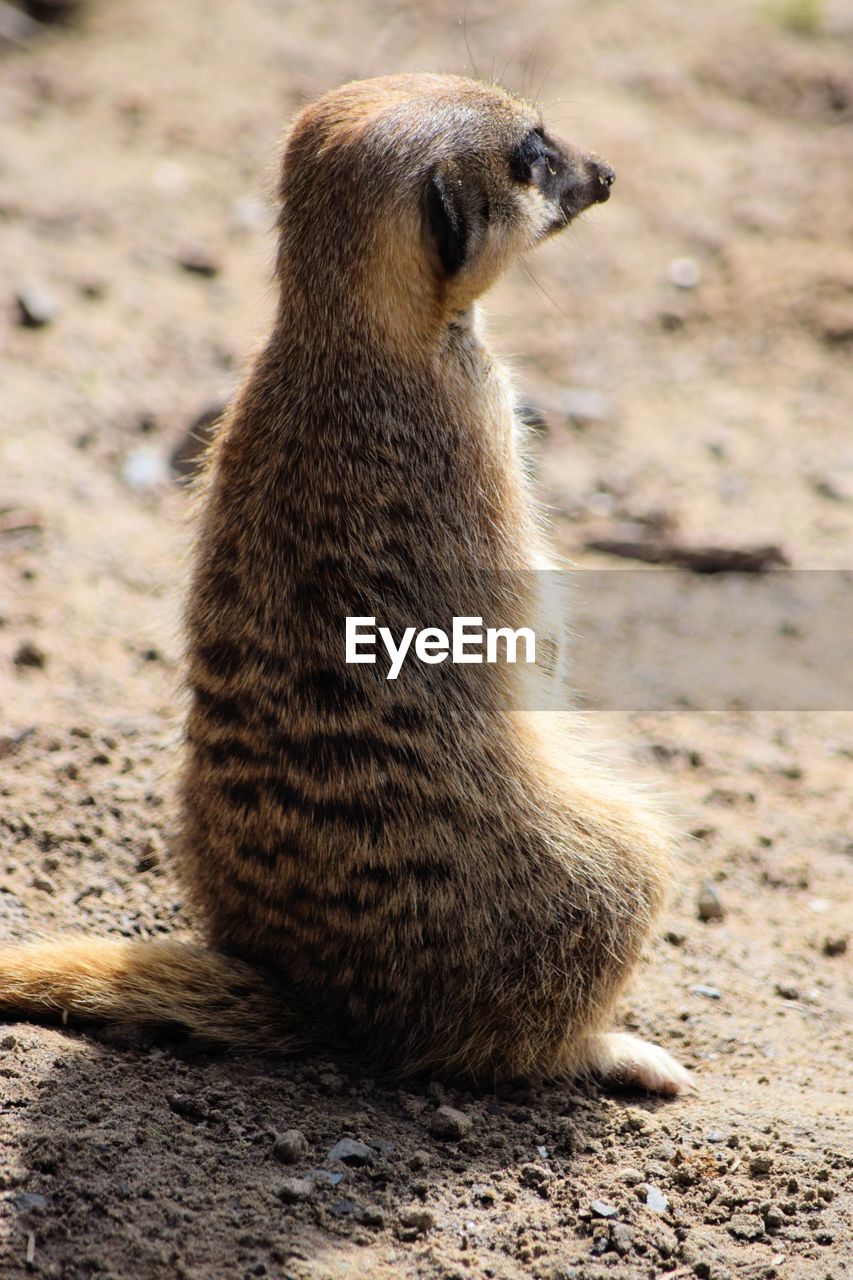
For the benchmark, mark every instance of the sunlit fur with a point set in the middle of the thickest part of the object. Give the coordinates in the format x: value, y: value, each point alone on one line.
x: 414, y: 869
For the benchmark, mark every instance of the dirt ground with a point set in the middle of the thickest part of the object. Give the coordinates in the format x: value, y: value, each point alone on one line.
x: 137, y: 147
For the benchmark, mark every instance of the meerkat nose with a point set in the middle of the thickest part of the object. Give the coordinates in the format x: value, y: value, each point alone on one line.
x: 602, y: 175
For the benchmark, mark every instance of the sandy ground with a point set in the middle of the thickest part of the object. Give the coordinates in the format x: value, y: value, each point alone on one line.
x: 142, y: 137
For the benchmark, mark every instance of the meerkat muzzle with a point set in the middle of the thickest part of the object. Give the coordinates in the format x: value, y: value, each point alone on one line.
x: 588, y: 181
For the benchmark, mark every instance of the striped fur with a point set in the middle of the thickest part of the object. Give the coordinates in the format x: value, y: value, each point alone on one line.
x: 414, y: 867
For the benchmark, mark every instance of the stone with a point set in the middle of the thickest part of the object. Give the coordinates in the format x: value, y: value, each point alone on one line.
x: 36, y: 306
x: 351, y: 1152
x: 836, y: 486
x: 621, y: 1238
x: 656, y: 1200
x: 684, y: 273
x: 26, y: 1200
x: 536, y: 1178
x: 787, y: 991
x: 602, y: 1209
x: 145, y: 470
x: 295, y: 1190
x: 372, y: 1216
x: 290, y: 1146
x: 417, y: 1219
x: 746, y: 1226
x: 708, y: 904
x: 29, y: 654
x: 449, y: 1124
x: 199, y: 261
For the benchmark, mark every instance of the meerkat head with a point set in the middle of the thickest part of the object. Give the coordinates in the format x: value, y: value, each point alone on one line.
x: 405, y: 197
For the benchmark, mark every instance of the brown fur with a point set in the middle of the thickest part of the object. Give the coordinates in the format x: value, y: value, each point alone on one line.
x: 410, y: 865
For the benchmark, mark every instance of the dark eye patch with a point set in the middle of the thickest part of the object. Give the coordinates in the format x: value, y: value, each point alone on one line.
x: 532, y: 147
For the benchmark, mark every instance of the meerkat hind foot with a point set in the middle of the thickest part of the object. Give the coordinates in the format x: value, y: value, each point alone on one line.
x: 620, y: 1059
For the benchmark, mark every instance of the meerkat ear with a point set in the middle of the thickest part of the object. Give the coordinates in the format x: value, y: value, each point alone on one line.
x: 446, y: 221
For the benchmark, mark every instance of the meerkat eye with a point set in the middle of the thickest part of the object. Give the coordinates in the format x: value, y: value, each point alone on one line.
x: 533, y: 162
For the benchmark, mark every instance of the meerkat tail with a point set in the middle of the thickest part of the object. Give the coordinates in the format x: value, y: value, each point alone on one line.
x: 148, y: 983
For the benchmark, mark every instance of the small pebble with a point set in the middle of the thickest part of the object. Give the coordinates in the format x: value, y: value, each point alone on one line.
x: 535, y: 1177
x: 36, y: 306
x: 290, y: 1146
x: 145, y: 470
x: 294, y: 1190
x: 372, y: 1217
x: 450, y: 1124
x: 188, y: 1106
x: 746, y: 1226
x: 601, y: 1209
x: 656, y: 1200
x: 760, y: 1164
x: 786, y: 991
x: 417, y: 1218
x: 29, y: 654
x: 837, y: 487
x: 199, y: 262
x: 684, y: 273
x: 835, y: 946
x: 708, y: 904
x: 351, y: 1152
x: 26, y: 1200
x: 45, y: 885
x: 621, y: 1238
x: 710, y: 993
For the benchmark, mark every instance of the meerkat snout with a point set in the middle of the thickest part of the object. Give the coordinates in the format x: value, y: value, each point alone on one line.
x: 587, y: 181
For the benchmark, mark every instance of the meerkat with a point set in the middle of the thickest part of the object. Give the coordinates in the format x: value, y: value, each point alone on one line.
x: 409, y: 868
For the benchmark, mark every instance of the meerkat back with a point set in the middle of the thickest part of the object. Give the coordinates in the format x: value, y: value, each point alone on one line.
x: 399, y: 864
